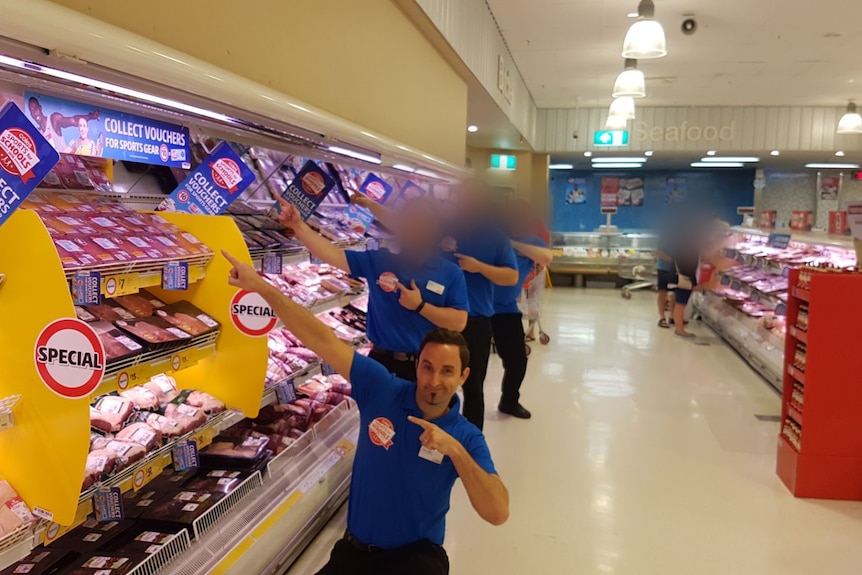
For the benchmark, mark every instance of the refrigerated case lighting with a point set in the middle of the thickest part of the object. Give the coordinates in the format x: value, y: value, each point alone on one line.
x: 355, y: 155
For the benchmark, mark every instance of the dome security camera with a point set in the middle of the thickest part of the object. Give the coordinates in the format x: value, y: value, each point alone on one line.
x: 689, y: 25
x: 575, y: 135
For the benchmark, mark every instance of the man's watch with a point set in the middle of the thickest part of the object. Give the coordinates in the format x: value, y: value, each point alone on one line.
x: 421, y: 307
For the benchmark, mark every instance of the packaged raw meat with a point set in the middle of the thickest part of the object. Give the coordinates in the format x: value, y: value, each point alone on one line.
x: 328, y: 397
x: 109, y: 310
x: 202, y: 400
x: 188, y: 318
x: 164, y: 386
x: 136, y: 304
x: 72, y: 256
x: 41, y: 561
x: 117, y: 345
x: 92, y: 536
x: 135, y: 503
x: 142, y: 434
x: 13, y: 511
x: 152, y: 330
x: 142, y: 398
x: 103, y: 564
x: 217, y: 481
x: 232, y: 450
x: 127, y: 450
x: 188, y: 417
x: 180, y: 511
x: 145, y: 248
x: 83, y: 315
x: 110, y: 412
x: 165, y: 425
x: 102, y: 463
x: 145, y: 543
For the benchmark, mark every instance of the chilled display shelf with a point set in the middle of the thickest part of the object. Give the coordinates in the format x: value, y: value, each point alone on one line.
x: 600, y: 254
x: 170, y: 550
x: 810, y: 238
x: 129, y: 278
x: 139, y: 369
x: 270, y: 395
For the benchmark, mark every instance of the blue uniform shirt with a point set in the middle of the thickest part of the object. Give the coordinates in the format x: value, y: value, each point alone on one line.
x: 506, y: 297
x: 396, y: 497
x: 390, y: 325
x: 489, y: 245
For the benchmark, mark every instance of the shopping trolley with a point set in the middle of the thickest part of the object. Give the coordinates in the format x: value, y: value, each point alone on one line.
x: 640, y: 272
x: 531, y: 302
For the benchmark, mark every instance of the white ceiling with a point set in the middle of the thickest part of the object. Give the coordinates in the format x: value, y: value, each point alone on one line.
x: 745, y: 52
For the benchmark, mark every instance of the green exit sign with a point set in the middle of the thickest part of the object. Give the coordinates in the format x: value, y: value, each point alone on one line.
x: 611, y: 138
x: 503, y: 162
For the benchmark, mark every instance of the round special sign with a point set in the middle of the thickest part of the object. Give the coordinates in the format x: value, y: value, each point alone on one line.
x: 70, y: 358
x: 251, y: 315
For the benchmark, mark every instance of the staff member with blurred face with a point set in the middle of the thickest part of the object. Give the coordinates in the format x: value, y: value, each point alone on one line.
x: 413, y: 445
x: 485, y: 254
x: 409, y: 293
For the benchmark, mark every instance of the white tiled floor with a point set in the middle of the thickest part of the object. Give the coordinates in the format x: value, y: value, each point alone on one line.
x: 643, y: 457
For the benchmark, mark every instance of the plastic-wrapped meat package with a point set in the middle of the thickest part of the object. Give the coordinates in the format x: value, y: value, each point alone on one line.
x: 188, y: 318
x: 130, y: 451
x: 250, y: 243
x: 334, y: 285
x: 145, y: 249
x: 113, y: 245
x: 72, y: 254
x: 343, y: 332
x: 313, y: 385
x: 236, y: 447
x: 110, y: 412
x: 13, y: 511
x: 142, y: 434
x: 142, y: 398
x: 319, y: 410
x: 108, y: 310
x: 164, y: 386
x: 136, y: 304
x: 165, y: 425
x: 328, y: 397
x: 117, y: 345
x: 276, y: 371
x: 302, y: 277
x: 188, y: 417
x: 101, y: 463
x: 205, y: 402
x: 193, y: 245
x: 166, y: 244
x: 153, y: 330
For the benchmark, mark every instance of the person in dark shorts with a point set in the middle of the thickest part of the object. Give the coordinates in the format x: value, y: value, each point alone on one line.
x: 666, y: 276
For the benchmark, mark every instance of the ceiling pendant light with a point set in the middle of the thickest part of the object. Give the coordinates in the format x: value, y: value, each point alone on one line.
x: 851, y: 121
x: 645, y: 39
x: 616, y: 123
x: 631, y: 82
x: 623, y: 108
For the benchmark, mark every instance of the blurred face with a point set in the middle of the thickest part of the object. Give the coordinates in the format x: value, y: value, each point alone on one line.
x: 83, y: 128
x: 519, y: 216
x: 471, y: 199
x: 419, y: 227
x: 36, y: 110
x: 438, y: 375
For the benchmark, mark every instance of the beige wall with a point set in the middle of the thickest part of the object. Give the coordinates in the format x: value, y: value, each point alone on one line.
x: 362, y: 60
x: 530, y: 178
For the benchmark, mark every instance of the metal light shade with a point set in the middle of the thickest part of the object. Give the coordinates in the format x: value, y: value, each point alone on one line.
x: 616, y: 123
x: 851, y: 122
x: 631, y: 84
x: 623, y: 108
x: 645, y: 40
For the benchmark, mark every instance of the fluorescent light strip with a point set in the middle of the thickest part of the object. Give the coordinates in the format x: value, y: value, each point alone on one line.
x: 356, y: 155
x: 724, y: 159
x: 618, y: 160
x: 619, y: 165
x: 717, y: 165
x: 561, y: 166
x: 836, y: 166
x: 404, y: 167
x: 428, y: 174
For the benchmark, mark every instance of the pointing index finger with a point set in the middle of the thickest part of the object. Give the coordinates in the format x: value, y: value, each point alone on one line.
x: 230, y: 258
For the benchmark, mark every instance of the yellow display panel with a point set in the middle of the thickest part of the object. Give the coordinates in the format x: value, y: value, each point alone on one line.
x: 236, y: 374
x: 44, y: 454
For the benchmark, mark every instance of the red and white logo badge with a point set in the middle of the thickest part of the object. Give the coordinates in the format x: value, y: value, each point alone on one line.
x: 18, y: 154
x: 448, y: 244
x: 70, y: 358
x: 251, y: 315
x: 226, y: 174
x: 381, y: 431
x: 375, y: 191
x: 183, y: 196
x: 164, y: 154
x: 388, y: 282
x: 313, y: 183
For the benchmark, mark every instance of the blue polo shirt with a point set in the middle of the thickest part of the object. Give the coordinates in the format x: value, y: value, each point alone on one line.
x: 506, y: 297
x: 397, y: 497
x: 488, y: 244
x: 390, y: 325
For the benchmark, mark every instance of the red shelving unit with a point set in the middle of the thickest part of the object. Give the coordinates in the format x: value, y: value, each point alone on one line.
x: 824, y: 460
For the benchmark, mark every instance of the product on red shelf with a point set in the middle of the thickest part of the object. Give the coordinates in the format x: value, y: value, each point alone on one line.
x: 767, y: 219
x: 13, y: 511
x: 799, y: 357
x: 801, y: 220
x: 142, y: 434
x: 110, y: 412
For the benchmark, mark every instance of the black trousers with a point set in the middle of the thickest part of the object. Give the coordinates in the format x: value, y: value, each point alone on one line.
x: 478, y: 336
x: 422, y: 558
x: 508, y: 329
x: 403, y: 369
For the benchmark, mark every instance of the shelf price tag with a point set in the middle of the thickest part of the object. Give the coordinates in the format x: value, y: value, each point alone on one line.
x: 108, y: 502
x: 175, y: 276
x: 186, y: 455
x: 285, y: 392
x: 87, y: 288
x: 272, y: 264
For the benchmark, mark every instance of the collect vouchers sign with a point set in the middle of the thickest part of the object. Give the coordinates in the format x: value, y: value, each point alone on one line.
x: 85, y: 130
x: 25, y: 158
x: 212, y: 186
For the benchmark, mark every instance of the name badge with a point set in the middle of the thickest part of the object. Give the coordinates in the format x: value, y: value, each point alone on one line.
x: 434, y: 287
x: 431, y: 455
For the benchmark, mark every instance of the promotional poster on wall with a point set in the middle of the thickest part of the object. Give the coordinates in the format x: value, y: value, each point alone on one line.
x: 829, y: 187
x: 631, y: 192
x: 610, y: 192
x: 576, y: 191
x: 676, y: 190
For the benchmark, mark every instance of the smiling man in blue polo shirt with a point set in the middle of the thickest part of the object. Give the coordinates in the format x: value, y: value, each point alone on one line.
x: 409, y: 293
x: 413, y: 445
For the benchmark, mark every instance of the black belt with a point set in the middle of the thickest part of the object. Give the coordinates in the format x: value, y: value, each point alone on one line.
x: 396, y: 355
x: 359, y: 545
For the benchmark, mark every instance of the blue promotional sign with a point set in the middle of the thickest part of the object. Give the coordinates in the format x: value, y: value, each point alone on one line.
x: 212, y: 186
x: 308, y: 189
x: 408, y: 192
x: 780, y: 241
x: 26, y: 157
x: 285, y: 392
x: 87, y: 288
x: 376, y: 189
x: 175, y: 276
x: 186, y: 455
x: 86, y: 130
x: 356, y: 218
x: 273, y: 264
x: 108, y: 502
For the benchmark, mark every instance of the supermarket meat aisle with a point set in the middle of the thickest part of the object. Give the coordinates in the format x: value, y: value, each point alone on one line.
x: 646, y: 454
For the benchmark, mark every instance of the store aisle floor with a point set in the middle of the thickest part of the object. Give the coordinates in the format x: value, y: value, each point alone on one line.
x: 644, y: 456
